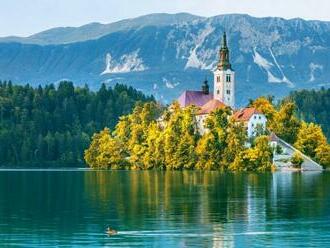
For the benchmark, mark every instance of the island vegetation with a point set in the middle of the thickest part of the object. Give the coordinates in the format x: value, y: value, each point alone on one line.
x: 156, y: 138
x: 52, y: 125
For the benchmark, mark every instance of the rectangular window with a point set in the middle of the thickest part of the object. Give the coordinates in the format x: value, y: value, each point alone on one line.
x: 218, y: 79
x: 218, y: 92
x: 228, y: 92
x: 228, y: 78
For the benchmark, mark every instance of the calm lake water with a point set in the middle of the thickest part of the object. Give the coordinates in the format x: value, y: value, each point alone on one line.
x: 72, y: 208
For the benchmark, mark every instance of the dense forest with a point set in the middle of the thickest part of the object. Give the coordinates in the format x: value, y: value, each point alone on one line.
x: 52, y: 125
x: 151, y: 138
x: 314, y: 106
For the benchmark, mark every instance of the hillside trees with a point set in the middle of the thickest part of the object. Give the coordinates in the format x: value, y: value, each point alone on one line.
x: 313, y: 106
x: 52, y: 126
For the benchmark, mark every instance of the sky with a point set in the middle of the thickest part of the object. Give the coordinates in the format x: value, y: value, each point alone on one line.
x: 26, y: 17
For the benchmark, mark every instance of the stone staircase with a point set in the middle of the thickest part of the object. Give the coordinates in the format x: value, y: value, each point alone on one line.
x: 282, y: 161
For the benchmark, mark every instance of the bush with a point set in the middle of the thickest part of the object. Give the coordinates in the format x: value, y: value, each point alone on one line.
x: 279, y: 149
x: 297, y: 160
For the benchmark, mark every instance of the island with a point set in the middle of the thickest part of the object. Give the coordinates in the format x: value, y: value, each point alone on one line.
x: 205, y: 131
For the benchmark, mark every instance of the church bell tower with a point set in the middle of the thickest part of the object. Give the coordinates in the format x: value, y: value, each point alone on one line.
x: 224, y: 77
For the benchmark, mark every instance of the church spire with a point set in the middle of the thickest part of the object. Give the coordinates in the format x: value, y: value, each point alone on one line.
x: 224, y: 63
x: 224, y: 40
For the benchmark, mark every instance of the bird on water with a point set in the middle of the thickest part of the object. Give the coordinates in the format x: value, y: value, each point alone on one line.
x: 111, y: 231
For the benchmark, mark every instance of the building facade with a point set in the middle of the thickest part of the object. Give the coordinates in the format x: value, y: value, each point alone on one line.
x: 254, y: 121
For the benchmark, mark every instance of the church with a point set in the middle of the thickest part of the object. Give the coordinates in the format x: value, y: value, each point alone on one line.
x: 223, y: 96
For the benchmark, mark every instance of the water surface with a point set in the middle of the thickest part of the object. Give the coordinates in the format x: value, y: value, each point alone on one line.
x: 72, y: 208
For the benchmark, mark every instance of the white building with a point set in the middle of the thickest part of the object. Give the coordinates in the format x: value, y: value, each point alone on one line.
x: 252, y: 119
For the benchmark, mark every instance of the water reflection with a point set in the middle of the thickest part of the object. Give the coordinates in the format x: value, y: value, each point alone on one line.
x: 164, y: 209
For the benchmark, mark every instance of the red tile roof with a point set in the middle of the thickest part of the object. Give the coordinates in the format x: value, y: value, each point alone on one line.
x: 197, y: 98
x: 245, y: 114
x: 210, y: 106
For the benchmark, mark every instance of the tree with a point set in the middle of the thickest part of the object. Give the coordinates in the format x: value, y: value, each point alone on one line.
x: 285, y: 124
x: 106, y: 152
x: 214, y: 149
x: 323, y: 155
x: 236, y: 139
x: 256, y: 158
x: 313, y: 106
x: 111, y: 153
x: 152, y: 155
x: 309, y: 138
x: 265, y: 106
x: 93, y: 151
x: 53, y: 125
x: 297, y: 160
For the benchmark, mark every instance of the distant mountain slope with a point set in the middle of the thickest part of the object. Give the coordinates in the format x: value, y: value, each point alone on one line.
x: 65, y: 35
x: 165, y: 54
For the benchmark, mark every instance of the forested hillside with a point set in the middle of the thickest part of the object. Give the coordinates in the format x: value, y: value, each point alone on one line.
x: 51, y: 126
x: 314, y: 106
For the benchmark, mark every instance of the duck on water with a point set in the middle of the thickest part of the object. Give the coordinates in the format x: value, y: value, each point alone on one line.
x: 111, y: 231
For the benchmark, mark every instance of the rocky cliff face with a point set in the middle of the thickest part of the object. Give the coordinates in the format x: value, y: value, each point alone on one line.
x: 165, y: 54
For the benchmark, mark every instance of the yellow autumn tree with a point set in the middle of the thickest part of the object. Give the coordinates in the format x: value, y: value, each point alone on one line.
x: 265, y: 106
x: 256, y: 158
x: 286, y: 125
x: 309, y: 138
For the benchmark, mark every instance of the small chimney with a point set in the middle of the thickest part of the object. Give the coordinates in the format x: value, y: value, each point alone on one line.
x: 206, y: 87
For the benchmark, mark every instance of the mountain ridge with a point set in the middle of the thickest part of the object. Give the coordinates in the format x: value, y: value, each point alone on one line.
x: 154, y: 19
x: 46, y: 37
x: 269, y: 55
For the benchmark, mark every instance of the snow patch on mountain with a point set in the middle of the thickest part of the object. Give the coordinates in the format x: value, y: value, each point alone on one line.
x: 127, y: 63
x: 193, y: 60
x: 313, y: 68
x: 267, y: 66
x: 284, y: 78
x: 261, y: 61
x: 169, y: 84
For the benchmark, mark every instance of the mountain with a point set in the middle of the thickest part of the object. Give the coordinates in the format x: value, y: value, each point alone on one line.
x: 64, y: 35
x: 164, y: 54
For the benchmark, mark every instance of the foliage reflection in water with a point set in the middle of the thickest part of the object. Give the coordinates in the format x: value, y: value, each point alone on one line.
x: 164, y: 209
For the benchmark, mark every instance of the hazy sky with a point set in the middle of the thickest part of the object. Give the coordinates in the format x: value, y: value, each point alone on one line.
x: 25, y: 17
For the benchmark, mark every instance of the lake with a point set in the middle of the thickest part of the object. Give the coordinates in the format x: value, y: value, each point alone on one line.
x: 72, y: 208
